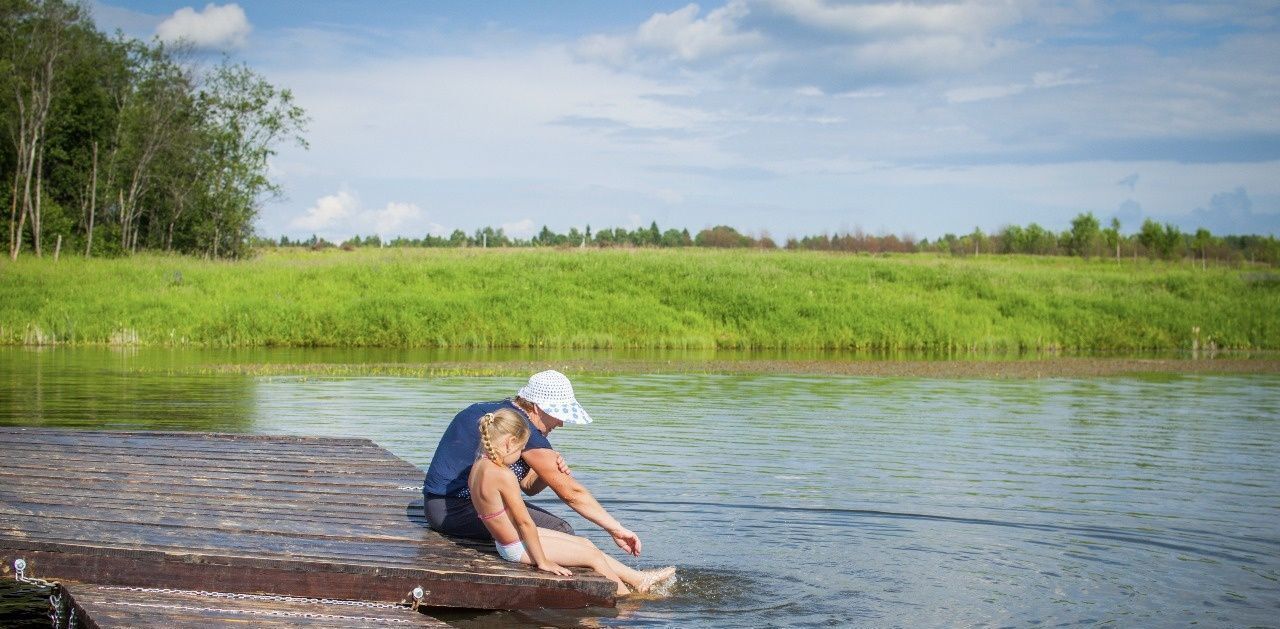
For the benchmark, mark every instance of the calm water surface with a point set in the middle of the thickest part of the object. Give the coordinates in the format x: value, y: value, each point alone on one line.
x: 821, y: 500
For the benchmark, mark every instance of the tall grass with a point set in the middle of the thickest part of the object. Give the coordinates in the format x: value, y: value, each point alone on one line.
x: 638, y: 299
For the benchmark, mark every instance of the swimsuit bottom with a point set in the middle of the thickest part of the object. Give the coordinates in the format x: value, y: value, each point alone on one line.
x: 511, y: 552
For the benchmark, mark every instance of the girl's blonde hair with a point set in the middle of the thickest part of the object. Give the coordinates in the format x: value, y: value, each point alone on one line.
x: 503, y: 421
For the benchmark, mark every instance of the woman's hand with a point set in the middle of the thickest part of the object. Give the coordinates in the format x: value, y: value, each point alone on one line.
x: 562, y: 466
x: 547, y: 565
x: 626, y: 540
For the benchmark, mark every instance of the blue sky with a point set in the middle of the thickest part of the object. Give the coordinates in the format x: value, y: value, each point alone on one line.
x: 789, y: 117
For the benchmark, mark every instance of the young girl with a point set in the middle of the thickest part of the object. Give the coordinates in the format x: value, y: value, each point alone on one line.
x: 496, y: 496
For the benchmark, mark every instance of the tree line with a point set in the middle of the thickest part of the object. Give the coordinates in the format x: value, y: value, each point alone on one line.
x: 118, y: 145
x: 1085, y: 238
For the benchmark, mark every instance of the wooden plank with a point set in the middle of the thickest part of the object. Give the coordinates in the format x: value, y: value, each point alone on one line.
x: 231, y: 462
x: 153, y: 473
x: 175, y: 437
x: 106, y: 448
x: 109, y: 607
x: 114, y: 486
x: 301, y: 516
x: 355, y: 458
x: 250, y: 513
x: 122, y: 479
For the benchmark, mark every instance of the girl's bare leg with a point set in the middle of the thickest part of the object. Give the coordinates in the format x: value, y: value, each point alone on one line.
x: 640, y: 580
x: 567, y: 551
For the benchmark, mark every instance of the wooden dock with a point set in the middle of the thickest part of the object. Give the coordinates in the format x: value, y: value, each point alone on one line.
x: 295, y: 516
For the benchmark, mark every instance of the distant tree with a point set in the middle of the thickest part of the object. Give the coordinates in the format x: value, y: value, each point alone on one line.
x: 1111, y: 236
x: 675, y: 238
x: 1012, y: 239
x: 35, y: 44
x: 1203, y: 239
x: 246, y: 118
x: 1084, y: 235
x: 721, y: 236
x: 1150, y: 236
x: 544, y: 237
x: 1164, y: 240
x: 976, y: 239
x: 654, y: 236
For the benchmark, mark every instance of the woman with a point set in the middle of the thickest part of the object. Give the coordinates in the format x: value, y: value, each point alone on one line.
x: 546, y: 402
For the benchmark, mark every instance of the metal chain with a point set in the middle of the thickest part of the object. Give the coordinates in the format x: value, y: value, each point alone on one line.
x: 262, y: 612
x: 20, y: 573
x: 55, y: 609
x: 280, y: 598
x: 56, y: 600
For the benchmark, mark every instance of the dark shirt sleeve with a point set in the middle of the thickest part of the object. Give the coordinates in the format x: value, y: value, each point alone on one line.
x: 538, y: 441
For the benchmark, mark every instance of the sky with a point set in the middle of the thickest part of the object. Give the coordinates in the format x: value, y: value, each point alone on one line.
x: 778, y: 117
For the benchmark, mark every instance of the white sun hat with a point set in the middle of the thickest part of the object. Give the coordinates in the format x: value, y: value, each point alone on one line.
x: 551, y: 391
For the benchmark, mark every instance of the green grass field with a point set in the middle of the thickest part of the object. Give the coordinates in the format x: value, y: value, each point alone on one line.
x: 689, y: 298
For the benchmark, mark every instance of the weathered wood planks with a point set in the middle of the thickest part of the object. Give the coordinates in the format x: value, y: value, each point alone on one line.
x: 113, y: 607
x: 299, y: 516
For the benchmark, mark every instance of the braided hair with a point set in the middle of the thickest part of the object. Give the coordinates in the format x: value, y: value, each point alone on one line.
x: 501, y: 422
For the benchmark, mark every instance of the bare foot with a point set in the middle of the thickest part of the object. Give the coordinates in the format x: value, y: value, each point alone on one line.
x: 654, y: 577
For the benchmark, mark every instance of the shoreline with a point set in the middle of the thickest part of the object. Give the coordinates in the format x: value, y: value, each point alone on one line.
x: 972, y: 368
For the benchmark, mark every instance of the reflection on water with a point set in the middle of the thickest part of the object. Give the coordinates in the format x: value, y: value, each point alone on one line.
x: 100, y: 388
x: 828, y: 500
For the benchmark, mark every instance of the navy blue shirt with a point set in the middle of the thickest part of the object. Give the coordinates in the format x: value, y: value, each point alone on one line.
x: 460, y: 446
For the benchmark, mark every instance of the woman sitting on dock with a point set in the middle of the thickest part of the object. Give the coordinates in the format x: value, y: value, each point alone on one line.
x: 545, y: 403
x: 495, y: 493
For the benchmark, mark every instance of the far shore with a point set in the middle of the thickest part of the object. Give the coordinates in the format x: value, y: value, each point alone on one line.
x: 1065, y: 367
x: 647, y: 300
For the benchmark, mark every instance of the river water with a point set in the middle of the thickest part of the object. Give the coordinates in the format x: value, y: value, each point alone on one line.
x: 823, y: 500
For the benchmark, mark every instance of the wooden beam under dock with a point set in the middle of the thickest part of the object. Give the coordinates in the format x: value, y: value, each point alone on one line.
x: 113, y: 607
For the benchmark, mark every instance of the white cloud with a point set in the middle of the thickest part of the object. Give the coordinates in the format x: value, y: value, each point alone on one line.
x: 686, y: 36
x: 328, y: 212
x: 523, y: 228
x: 391, y: 219
x: 818, y: 44
x: 1057, y: 78
x: 341, y: 214
x: 888, y: 18
x: 983, y: 92
x: 215, y: 27
x: 1039, y: 81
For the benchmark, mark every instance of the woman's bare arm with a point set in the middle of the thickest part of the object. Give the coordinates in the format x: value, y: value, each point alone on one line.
x: 533, y: 483
x: 574, y: 494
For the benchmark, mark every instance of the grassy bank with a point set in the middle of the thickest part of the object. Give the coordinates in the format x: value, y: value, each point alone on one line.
x: 638, y: 298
